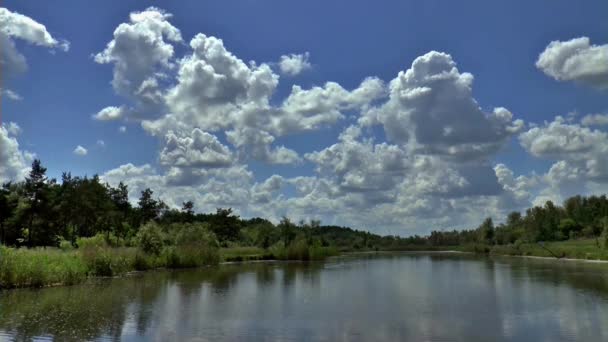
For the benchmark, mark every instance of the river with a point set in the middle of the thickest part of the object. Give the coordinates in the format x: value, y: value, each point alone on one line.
x: 365, y: 297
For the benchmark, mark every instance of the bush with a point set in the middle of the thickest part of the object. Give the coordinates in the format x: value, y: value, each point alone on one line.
x: 97, y: 241
x: 108, y: 262
x: 150, y: 238
x: 65, y: 245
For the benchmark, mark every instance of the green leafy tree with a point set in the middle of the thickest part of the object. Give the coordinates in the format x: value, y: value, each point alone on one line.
x: 288, y: 231
x: 35, y: 187
x: 226, y: 225
x: 486, y: 231
x: 149, y: 208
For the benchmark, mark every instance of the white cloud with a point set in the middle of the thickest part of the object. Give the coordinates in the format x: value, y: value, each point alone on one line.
x: 18, y: 26
x: 576, y: 60
x: 14, y: 162
x: 294, y: 64
x: 256, y: 144
x: 218, y: 113
x: 111, y: 113
x: 140, y: 51
x: 580, y: 156
x: 198, y: 149
x: 80, y: 151
x: 122, y: 129
x: 599, y: 119
x: 101, y: 143
x: 431, y: 108
x: 11, y: 95
x: 12, y: 128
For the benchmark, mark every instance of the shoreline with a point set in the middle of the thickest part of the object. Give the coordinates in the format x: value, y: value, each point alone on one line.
x: 247, y: 260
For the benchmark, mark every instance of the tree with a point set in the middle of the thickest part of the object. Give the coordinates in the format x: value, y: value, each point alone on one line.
x: 148, y: 207
x: 5, y: 211
x: 35, y: 186
x: 188, y: 211
x: 225, y: 225
x: 566, y: 227
x: 288, y: 231
x: 486, y: 231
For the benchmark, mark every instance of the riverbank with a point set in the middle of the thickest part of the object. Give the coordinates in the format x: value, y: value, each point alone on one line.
x: 582, y: 249
x: 43, y: 267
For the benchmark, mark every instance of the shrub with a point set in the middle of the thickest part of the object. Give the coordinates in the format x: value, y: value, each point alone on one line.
x: 65, y: 245
x: 98, y: 240
x: 150, y: 238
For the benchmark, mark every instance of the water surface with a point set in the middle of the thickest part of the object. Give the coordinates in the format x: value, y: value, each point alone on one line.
x: 381, y: 297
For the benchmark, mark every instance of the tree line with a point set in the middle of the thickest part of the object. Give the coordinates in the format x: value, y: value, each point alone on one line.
x: 578, y: 217
x: 44, y: 212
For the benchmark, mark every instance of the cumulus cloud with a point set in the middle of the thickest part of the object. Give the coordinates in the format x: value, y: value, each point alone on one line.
x: 576, y: 60
x: 140, y: 51
x: 198, y: 149
x: 431, y: 108
x: 595, y: 120
x: 111, y: 113
x: 580, y: 153
x: 122, y: 129
x: 256, y: 144
x: 218, y: 113
x: 80, y: 151
x: 18, y: 26
x: 294, y: 64
x: 14, y: 162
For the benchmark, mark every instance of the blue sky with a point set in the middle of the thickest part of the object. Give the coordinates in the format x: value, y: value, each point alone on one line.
x: 499, y: 43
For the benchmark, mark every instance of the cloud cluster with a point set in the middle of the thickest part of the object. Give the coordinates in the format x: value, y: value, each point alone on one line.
x: 18, y: 26
x: 431, y: 108
x: 580, y: 152
x: 214, y: 113
x: 140, y: 51
x: 599, y: 119
x: 576, y: 60
x: 434, y: 162
x: 294, y: 64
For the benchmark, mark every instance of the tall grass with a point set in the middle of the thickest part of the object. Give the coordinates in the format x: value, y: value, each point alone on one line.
x: 300, y: 250
x: 48, y: 267
x: 40, y: 267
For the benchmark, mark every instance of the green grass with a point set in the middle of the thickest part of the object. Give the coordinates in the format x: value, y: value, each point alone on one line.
x: 574, y: 249
x: 49, y: 267
x: 245, y: 254
x: 40, y: 267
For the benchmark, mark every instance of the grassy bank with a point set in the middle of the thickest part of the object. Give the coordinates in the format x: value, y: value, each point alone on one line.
x: 586, y: 249
x: 51, y: 266
x: 41, y: 267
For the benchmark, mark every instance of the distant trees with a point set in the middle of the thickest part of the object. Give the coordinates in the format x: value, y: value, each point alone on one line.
x: 43, y: 212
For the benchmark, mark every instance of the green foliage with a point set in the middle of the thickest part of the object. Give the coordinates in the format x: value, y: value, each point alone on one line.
x: 150, y: 238
x: 225, y: 225
x: 97, y: 241
x: 39, y: 267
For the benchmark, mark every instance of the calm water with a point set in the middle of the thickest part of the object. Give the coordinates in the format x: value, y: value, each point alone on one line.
x: 386, y: 297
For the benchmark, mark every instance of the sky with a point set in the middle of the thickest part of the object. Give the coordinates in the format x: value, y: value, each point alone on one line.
x: 397, y: 118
